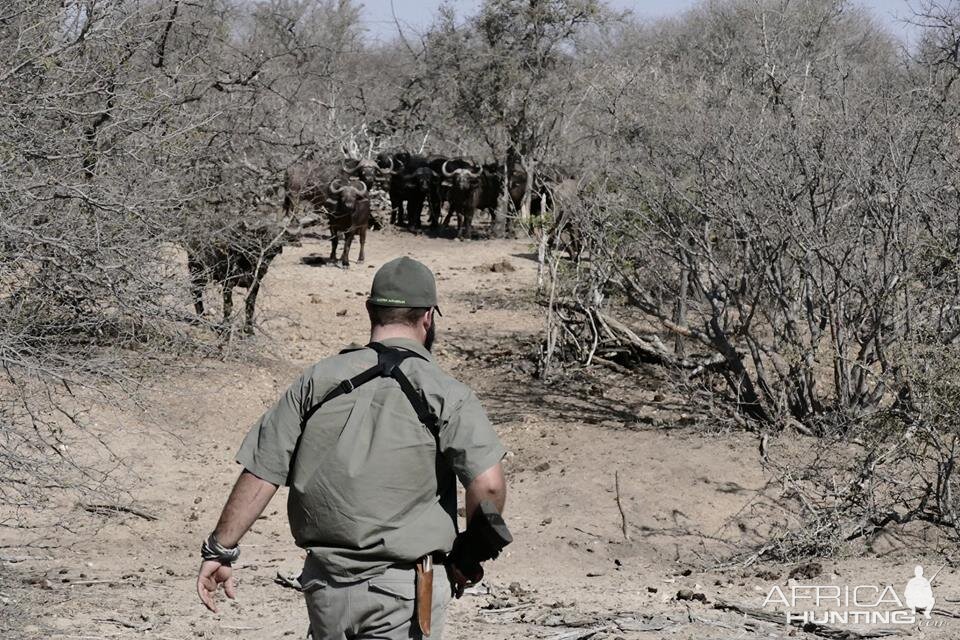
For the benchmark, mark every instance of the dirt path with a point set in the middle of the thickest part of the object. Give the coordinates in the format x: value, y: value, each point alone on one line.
x: 570, y: 574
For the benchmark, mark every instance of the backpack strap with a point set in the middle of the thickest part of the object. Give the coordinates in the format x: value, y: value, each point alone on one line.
x: 391, y: 368
x: 388, y: 366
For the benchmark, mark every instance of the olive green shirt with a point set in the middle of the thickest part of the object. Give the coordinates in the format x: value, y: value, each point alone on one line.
x: 368, y: 488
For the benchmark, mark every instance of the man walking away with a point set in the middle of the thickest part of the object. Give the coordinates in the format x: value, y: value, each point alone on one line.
x: 370, y: 442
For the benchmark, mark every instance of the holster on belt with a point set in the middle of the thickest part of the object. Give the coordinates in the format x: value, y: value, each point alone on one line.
x: 424, y: 602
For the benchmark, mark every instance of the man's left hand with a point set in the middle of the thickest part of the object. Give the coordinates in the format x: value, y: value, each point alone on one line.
x: 212, y: 575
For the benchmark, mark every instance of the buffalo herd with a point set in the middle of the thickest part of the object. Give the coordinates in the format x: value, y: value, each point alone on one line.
x: 341, y: 190
x: 411, y: 181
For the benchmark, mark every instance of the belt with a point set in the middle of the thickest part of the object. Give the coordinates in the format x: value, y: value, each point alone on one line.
x: 438, y: 557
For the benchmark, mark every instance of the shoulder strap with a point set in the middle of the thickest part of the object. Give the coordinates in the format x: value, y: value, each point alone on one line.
x: 388, y: 366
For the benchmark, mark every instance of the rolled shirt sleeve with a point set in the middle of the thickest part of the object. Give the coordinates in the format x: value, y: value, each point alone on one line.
x: 268, y: 448
x: 469, y: 442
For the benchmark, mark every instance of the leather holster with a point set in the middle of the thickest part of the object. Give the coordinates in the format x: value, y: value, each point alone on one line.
x: 424, y: 601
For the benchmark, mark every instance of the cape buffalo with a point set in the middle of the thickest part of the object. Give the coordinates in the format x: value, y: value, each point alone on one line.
x: 462, y: 179
x: 412, y: 184
x: 348, y: 210
x: 239, y: 256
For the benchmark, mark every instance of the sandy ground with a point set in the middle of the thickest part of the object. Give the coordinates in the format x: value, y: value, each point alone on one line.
x: 574, y: 570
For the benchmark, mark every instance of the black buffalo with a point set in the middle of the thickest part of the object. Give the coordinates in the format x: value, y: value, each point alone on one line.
x: 348, y: 210
x: 238, y: 256
x: 462, y: 182
x: 412, y: 183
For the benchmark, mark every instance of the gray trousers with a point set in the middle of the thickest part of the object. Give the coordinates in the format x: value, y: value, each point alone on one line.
x: 381, y: 608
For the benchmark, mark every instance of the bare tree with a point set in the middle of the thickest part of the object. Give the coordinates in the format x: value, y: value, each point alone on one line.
x: 776, y: 221
x: 127, y: 128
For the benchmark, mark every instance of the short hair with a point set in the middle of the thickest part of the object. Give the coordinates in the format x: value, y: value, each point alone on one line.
x: 381, y: 316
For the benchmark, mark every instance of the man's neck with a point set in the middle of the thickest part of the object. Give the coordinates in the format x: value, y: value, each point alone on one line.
x: 379, y: 334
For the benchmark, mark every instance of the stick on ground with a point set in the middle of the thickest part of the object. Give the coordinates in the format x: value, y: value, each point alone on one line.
x: 111, y: 509
x: 623, y: 516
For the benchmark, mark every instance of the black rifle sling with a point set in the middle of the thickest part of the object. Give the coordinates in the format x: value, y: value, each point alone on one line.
x: 388, y: 366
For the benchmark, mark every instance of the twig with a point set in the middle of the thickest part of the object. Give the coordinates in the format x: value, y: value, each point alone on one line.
x: 106, y: 509
x: 619, y: 368
x: 589, y: 533
x: 89, y: 582
x: 623, y: 515
x: 508, y: 609
x: 124, y: 623
x: 579, y: 634
x: 223, y: 626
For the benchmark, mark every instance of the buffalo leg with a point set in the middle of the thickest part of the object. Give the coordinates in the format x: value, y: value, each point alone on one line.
x: 347, y: 241
x: 197, y: 283
x: 435, y: 204
x: 227, y: 303
x: 363, y: 243
x: 334, y: 240
x: 396, y: 213
x: 196, y: 289
x: 198, y: 300
x: 395, y: 209
x: 414, y: 210
x: 250, y: 304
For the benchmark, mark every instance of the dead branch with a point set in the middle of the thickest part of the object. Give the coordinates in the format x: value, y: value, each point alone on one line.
x: 623, y: 515
x: 112, y: 509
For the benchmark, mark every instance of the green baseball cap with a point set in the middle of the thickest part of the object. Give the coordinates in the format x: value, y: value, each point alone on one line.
x: 404, y: 282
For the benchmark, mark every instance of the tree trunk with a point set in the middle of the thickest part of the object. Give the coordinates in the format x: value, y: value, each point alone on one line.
x: 530, y: 167
x: 680, y: 315
x: 502, y: 224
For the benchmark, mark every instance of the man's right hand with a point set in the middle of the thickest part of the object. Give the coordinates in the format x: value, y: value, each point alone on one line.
x: 212, y: 575
x: 460, y: 581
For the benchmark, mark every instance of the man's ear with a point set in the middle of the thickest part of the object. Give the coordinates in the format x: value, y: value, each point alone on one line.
x: 427, y: 320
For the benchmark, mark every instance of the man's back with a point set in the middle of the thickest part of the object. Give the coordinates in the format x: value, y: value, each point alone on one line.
x: 367, y: 486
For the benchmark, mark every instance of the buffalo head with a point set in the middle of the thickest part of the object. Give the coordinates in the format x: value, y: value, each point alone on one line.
x: 463, y: 175
x: 419, y: 180
x: 347, y: 195
x: 392, y: 163
x: 367, y: 171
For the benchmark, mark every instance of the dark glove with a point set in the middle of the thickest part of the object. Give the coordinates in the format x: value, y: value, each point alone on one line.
x: 486, y: 535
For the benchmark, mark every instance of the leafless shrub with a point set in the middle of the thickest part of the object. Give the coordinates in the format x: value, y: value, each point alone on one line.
x: 778, y: 212
x: 126, y: 129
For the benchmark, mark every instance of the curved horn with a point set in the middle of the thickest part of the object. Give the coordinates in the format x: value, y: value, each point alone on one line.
x: 363, y: 192
x: 333, y: 186
x: 390, y: 160
x: 348, y: 170
x: 443, y: 168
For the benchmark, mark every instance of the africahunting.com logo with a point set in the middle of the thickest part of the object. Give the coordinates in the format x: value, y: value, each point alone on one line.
x: 861, y: 604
